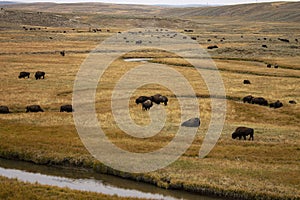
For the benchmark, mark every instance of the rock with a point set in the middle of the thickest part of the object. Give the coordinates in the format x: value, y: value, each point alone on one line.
x: 194, y: 122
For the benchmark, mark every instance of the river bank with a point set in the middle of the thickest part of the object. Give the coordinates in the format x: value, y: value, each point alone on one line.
x: 158, y: 179
x: 89, y: 181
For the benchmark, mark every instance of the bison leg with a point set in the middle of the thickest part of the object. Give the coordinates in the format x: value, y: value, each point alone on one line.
x: 244, y: 136
x: 251, y: 137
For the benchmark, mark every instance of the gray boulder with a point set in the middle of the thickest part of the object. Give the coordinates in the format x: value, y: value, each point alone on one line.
x: 194, y: 122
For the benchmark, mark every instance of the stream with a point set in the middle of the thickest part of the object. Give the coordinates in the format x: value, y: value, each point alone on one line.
x: 89, y: 181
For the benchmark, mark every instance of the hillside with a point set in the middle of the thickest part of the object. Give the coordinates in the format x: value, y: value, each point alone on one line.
x: 277, y: 11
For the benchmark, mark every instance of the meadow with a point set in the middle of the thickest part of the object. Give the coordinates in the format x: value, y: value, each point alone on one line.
x: 266, y: 168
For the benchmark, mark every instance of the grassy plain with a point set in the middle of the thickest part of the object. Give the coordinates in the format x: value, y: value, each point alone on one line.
x: 266, y: 168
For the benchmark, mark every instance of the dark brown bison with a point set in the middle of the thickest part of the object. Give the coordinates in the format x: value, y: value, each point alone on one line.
x: 243, y: 132
x: 4, y: 110
x: 284, y: 40
x: 66, y: 108
x: 164, y: 99
x: 269, y: 65
x: 146, y: 105
x: 39, y: 75
x: 248, y: 99
x: 34, y: 108
x: 264, y: 46
x: 159, y: 99
x: 142, y: 99
x: 260, y: 101
x: 62, y: 53
x: 276, y: 104
x: 247, y: 82
x: 156, y: 98
x: 292, y: 102
x: 212, y: 47
x: 24, y: 74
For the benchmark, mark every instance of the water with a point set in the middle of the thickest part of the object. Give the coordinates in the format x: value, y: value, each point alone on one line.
x: 89, y: 181
x: 137, y: 59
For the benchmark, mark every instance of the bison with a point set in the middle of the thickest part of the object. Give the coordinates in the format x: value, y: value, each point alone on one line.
x: 247, y: 82
x: 284, y: 40
x: 34, y: 108
x: 164, y: 99
x: 158, y: 98
x: 24, y: 74
x: 212, y: 47
x: 243, y: 132
x: 146, y: 105
x: 66, y: 108
x: 248, y: 99
x: 141, y: 99
x: 4, y: 110
x: 39, y: 75
x: 260, y: 101
x: 292, y: 102
x: 276, y: 104
x: 269, y: 65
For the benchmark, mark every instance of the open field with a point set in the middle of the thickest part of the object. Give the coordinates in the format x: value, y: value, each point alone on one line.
x: 266, y: 168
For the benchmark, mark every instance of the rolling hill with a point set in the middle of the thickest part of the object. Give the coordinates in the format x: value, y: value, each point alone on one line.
x: 276, y: 11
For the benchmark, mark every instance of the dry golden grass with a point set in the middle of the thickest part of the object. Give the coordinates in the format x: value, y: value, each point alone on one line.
x: 13, y: 189
x: 267, y: 167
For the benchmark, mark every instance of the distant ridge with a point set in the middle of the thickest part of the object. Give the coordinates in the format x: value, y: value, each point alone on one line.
x: 8, y: 2
x: 274, y: 11
x: 187, y: 5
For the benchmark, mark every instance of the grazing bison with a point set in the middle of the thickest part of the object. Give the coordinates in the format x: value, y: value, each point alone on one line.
x: 264, y: 46
x: 66, y: 108
x: 276, y: 66
x: 283, y: 40
x: 4, y: 110
x: 243, y: 132
x: 159, y: 99
x: 212, y: 47
x: 292, y: 102
x: 248, y: 99
x: 247, y: 82
x: 62, y: 53
x: 146, y: 105
x: 276, y: 104
x: 269, y: 65
x: 39, y: 75
x: 24, y: 74
x: 156, y: 98
x: 164, y: 99
x: 34, y: 108
x: 260, y: 101
x: 142, y: 99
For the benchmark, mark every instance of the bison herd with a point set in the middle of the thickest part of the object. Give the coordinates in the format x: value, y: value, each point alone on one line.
x: 37, y: 108
x: 262, y: 101
x: 37, y: 75
x: 147, y: 102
